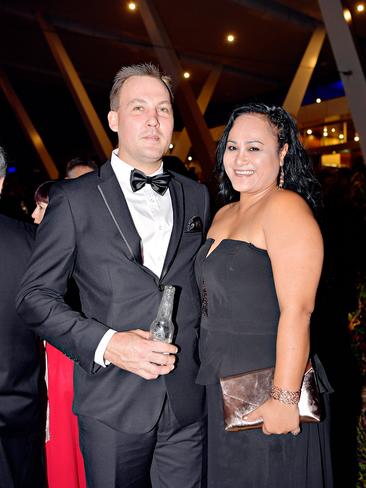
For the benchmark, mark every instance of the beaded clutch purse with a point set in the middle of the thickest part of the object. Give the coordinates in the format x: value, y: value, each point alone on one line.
x: 243, y: 393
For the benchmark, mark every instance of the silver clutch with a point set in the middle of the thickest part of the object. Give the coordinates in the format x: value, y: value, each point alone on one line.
x: 244, y: 393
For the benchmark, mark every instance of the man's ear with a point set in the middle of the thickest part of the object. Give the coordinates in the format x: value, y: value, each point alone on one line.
x: 113, y: 120
x: 2, y: 178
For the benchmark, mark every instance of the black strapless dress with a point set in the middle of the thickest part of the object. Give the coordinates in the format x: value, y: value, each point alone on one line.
x: 240, y: 315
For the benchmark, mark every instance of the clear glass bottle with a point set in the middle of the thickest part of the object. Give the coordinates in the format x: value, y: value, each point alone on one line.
x: 162, y: 328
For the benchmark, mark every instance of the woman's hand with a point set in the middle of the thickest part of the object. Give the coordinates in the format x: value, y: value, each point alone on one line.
x: 278, y: 418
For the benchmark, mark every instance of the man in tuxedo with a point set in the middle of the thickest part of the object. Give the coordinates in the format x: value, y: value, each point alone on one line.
x: 21, y: 393
x: 123, y: 233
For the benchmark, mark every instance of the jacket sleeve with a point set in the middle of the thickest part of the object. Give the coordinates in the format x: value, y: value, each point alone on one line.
x: 40, y: 301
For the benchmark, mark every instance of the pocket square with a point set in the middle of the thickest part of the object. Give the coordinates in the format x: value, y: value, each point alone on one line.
x: 194, y: 225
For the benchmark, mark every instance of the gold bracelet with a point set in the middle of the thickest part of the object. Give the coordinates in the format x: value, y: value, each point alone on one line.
x: 285, y: 396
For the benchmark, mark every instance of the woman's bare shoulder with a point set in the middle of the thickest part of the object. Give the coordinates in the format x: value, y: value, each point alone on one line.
x: 287, y: 202
x: 289, y: 216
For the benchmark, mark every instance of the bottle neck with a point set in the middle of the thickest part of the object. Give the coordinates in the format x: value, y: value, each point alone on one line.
x: 167, y: 302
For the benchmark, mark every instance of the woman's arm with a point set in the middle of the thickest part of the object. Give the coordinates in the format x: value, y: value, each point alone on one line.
x: 295, y: 247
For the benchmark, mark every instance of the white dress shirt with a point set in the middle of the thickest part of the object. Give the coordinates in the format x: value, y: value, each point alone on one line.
x: 152, y: 215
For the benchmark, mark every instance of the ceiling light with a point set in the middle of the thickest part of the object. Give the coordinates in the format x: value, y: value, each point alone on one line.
x: 171, y: 145
x: 332, y: 129
x: 318, y: 100
x: 356, y: 138
x: 360, y: 7
x: 341, y: 136
x: 309, y: 132
x: 186, y: 74
x: 325, y: 134
x: 189, y: 158
x: 230, y: 38
x: 347, y: 15
x: 132, y: 6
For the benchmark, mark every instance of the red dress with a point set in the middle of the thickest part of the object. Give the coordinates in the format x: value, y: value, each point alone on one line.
x: 65, y: 465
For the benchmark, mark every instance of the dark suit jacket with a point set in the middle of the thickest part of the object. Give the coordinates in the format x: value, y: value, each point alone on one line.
x: 20, y: 350
x: 88, y: 233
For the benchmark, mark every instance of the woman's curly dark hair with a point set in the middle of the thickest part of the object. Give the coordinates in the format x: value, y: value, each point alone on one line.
x: 298, y: 170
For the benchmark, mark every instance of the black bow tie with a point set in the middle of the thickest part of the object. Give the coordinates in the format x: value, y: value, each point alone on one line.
x: 159, y: 182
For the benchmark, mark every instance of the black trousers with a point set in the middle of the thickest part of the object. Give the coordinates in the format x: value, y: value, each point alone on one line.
x: 167, y: 456
x: 22, y: 462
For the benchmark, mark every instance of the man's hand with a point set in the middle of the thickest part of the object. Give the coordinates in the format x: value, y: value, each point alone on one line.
x: 135, y: 352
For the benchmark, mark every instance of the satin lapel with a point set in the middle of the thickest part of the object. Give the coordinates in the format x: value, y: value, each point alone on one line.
x: 177, y: 196
x: 116, y: 204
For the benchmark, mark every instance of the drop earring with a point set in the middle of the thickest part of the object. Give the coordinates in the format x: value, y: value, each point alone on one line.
x: 282, y: 177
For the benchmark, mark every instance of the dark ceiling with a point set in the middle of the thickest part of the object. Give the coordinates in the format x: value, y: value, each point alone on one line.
x: 271, y: 37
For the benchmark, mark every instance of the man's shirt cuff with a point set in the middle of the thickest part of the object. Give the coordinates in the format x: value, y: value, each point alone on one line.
x: 102, y: 346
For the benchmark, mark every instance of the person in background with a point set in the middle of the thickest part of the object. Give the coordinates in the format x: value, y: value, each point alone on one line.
x: 41, y: 201
x: 22, y: 389
x: 173, y: 163
x: 65, y: 466
x: 77, y: 167
x: 259, y: 271
x: 123, y: 233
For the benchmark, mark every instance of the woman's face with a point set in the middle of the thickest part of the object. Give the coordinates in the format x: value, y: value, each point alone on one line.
x: 38, y: 212
x: 251, y: 157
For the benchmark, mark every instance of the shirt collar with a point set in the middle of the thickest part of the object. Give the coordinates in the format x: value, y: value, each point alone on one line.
x: 123, y: 170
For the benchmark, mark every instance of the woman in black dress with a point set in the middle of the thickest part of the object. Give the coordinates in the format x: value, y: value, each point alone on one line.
x: 258, y: 272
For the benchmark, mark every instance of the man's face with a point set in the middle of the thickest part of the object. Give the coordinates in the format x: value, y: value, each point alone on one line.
x: 144, y: 122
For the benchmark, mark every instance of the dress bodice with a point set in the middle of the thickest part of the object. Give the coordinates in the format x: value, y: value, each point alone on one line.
x: 240, y: 309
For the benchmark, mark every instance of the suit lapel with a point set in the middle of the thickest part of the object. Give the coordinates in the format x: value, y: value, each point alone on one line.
x: 176, y: 193
x: 115, y: 201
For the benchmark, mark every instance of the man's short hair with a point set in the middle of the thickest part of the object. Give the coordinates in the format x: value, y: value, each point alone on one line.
x: 73, y: 163
x: 143, y: 69
x: 2, y: 163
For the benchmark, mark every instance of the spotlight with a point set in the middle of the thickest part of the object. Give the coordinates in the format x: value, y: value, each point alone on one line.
x: 347, y: 15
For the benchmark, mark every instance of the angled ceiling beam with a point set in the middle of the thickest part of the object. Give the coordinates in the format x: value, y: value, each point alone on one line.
x: 199, y: 134
x: 348, y: 63
x: 96, y: 130
x: 216, y: 132
x: 270, y: 10
x: 304, y: 72
x: 183, y: 143
x: 28, y: 127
